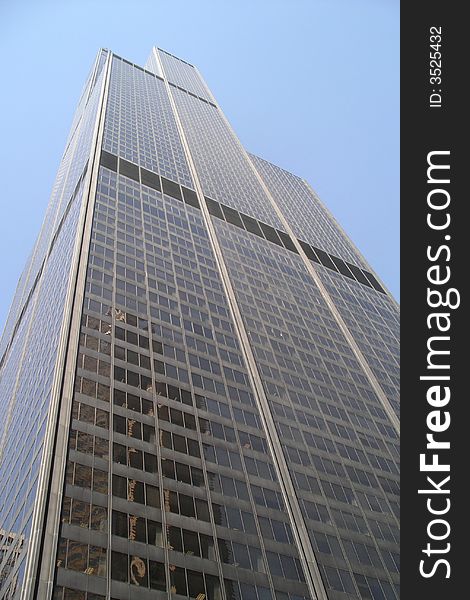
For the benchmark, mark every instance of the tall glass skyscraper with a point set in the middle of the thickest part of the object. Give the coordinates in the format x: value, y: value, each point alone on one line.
x: 199, y: 372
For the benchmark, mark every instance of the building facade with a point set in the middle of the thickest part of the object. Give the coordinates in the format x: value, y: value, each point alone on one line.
x: 199, y: 372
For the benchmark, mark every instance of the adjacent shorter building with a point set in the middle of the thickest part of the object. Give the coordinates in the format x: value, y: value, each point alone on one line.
x: 199, y: 373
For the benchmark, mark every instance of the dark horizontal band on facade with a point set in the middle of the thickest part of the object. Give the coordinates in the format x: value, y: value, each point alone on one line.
x: 149, y: 178
x: 176, y: 57
x: 234, y: 217
x: 128, y: 62
x: 333, y: 263
x: 191, y: 94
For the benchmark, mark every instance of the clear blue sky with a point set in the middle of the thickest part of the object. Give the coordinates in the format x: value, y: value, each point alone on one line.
x: 311, y: 85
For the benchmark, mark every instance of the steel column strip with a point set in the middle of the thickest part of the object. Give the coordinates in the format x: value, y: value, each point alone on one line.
x: 40, y: 582
x: 306, y: 553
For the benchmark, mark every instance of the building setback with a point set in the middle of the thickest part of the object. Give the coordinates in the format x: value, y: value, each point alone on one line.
x: 199, y: 372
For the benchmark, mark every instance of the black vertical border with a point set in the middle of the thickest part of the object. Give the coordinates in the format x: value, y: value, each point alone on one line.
x: 425, y: 129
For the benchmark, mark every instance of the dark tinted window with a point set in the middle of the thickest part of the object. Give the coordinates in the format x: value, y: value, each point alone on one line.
x: 109, y: 160
x: 171, y: 189
x: 342, y: 268
x: 214, y: 208
x: 150, y: 179
x: 128, y: 169
x: 190, y: 197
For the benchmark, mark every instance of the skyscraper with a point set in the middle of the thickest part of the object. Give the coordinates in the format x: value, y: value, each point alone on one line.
x: 199, y: 372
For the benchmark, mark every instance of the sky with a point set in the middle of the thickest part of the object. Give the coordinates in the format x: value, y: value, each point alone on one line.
x: 310, y: 85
